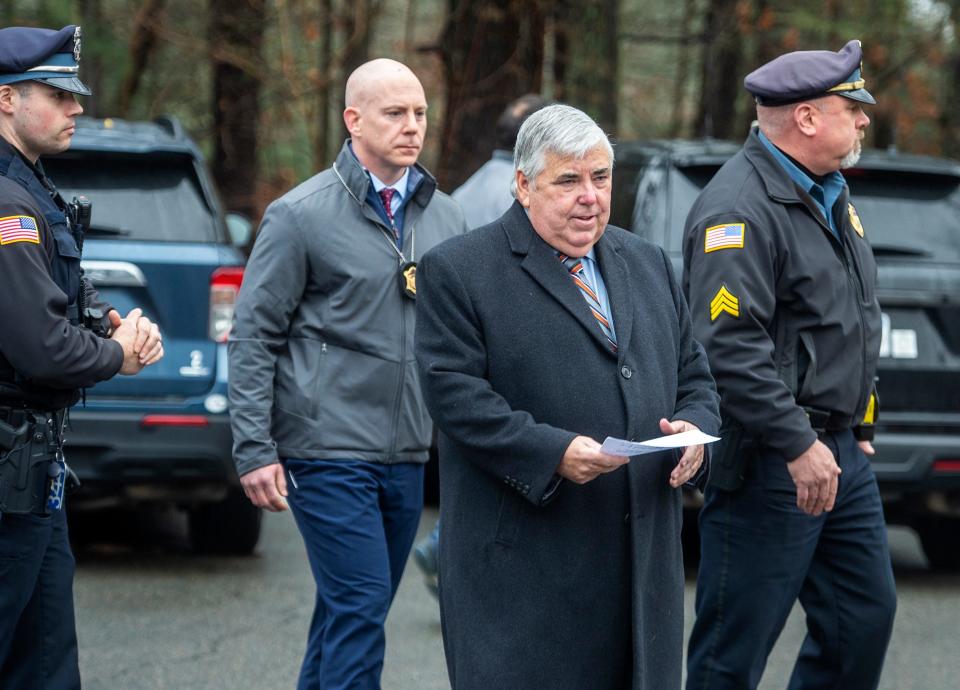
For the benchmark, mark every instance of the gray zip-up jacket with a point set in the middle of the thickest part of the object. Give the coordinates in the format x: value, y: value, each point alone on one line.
x: 321, y: 353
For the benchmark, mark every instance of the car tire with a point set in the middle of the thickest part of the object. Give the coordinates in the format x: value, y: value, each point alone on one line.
x: 940, y: 537
x: 230, y: 527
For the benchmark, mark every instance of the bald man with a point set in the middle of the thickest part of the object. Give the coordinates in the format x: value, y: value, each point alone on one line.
x: 325, y: 400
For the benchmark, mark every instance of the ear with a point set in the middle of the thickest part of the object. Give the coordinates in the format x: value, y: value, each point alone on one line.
x: 8, y: 96
x: 524, y: 185
x: 805, y: 117
x: 351, y: 119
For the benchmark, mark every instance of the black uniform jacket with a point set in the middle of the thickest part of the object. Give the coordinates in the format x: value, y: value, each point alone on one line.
x: 786, y: 311
x: 44, y: 358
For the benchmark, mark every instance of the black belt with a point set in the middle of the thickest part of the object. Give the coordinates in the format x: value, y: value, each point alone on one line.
x: 827, y: 421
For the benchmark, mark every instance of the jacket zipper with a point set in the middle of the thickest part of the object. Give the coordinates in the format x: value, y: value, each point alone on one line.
x: 401, y: 375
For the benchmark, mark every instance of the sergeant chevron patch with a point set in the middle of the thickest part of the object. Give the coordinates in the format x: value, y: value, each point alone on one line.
x: 724, y: 301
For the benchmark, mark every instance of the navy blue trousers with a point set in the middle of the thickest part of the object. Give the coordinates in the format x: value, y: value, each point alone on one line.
x: 38, y: 638
x: 358, y: 521
x: 760, y: 553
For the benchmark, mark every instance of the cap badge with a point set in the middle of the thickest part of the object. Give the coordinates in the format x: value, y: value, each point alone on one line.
x: 76, y: 44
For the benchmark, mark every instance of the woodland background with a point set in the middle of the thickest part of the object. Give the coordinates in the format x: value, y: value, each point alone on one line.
x: 259, y: 83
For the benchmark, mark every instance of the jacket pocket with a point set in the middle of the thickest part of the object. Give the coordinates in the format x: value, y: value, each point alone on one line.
x: 806, y: 366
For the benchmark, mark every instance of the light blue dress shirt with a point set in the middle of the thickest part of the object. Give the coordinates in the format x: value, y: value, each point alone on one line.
x: 399, y: 187
x: 591, y: 273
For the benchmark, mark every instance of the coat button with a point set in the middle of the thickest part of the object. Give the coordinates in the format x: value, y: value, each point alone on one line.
x: 626, y: 518
x: 626, y: 372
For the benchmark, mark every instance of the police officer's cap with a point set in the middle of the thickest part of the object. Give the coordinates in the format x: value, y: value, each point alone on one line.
x: 806, y: 74
x: 44, y: 55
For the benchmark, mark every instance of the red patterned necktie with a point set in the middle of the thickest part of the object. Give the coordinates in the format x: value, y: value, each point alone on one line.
x: 386, y: 195
x: 575, y: 266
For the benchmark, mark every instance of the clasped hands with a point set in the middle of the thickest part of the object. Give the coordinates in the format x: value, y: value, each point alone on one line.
x: 583, y: 462
x: 139, y: 337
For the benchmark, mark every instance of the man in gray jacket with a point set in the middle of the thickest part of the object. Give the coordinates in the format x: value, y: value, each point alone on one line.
x: 324, y: 392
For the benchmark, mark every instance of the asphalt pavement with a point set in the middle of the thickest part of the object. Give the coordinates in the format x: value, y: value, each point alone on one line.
x: 152, y: 615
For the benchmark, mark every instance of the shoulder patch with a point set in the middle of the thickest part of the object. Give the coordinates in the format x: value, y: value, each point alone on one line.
x: 724, y: 302
x: 19, y: 229
x: 728, y: 236
x: 855, y: 220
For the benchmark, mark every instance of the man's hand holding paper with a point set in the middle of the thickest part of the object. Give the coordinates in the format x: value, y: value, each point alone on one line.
x: 678, y: 434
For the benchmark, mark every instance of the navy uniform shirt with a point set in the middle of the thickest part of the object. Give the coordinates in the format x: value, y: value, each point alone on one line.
x: 44, y: 359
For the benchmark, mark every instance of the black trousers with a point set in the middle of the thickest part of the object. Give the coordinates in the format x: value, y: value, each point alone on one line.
x: 38, y: 639
x: 760, y: 553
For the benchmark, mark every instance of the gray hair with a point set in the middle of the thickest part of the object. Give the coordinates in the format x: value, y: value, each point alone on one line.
x: 558, y: 129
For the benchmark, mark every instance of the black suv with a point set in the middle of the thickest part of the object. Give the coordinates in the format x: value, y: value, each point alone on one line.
x: 910, y: 208
x: 160, y: 240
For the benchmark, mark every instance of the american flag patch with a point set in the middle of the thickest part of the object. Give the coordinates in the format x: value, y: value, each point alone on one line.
x: 19, y: 229
x: 728, y: 236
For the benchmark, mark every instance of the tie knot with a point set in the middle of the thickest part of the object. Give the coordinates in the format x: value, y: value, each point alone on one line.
x: 386, y: 194
x: 573, y: 264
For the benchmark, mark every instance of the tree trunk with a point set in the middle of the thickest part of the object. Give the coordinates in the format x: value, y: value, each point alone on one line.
x: 587, y: 62
x: 492, y: 53
x: 721, y: 85
x: 683, y: 69
x: 91, y: 73
x: 321, y: 154
x: 235, y: 32
x: 950, y: 110
x: 142, y: 42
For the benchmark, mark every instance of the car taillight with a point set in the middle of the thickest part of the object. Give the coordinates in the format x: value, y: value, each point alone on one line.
x: 946, y: 465
x: 224, y: 286
x: 197, y: 420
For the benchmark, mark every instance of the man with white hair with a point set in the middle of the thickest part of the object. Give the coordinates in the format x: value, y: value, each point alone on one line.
x: 781, y: 281
x: 325, y: 402
x: 538, y: 336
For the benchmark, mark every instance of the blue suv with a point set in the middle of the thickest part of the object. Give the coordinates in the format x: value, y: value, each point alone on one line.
x: 159, y: 239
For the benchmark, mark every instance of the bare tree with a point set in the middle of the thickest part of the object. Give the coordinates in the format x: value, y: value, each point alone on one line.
x: 586, y: 63
x: 492, y: 53
x: 142, y: 42
x: 235, y: 32
x: 720, y: 86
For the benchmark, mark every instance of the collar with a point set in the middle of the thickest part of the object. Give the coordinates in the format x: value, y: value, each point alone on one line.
x: 502, y: 155
x: 400, y: 186
x: 357, y: 181
x: 522, y: 236
x: 15, y: 165
x: 796, y: 173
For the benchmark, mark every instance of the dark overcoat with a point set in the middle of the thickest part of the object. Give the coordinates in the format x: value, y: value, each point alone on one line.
x: 545, y: 583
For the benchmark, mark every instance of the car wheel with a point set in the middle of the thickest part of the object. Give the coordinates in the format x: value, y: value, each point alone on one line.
x: 940, y: 537
x: 230, y: 527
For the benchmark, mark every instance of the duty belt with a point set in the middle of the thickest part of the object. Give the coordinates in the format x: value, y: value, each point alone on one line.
x: 825, y: 421
x: 32, y: 470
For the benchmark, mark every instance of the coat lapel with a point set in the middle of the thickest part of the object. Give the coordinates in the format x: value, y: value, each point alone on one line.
x: 539, y: 260
x: 616, y: 278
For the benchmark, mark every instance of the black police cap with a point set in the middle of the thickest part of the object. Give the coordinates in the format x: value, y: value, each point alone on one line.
x: 807, y: 74
x: 44, y: 55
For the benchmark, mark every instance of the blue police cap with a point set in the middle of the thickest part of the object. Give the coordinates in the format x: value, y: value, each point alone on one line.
x: 45, y: 55
x: 806, y: 74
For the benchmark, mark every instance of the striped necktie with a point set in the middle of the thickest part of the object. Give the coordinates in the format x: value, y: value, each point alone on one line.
x: 386, y: 195
x: 575, y: 266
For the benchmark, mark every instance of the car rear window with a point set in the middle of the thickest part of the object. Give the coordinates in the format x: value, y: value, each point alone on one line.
x: 137, y: 197
x: 907, y: 213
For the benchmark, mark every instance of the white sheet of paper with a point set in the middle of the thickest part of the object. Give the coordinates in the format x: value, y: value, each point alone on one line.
x: 618, y: 446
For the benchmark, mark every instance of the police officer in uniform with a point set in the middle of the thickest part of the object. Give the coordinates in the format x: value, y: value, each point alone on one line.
x: 56, y: 337
x: 780, y: 279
